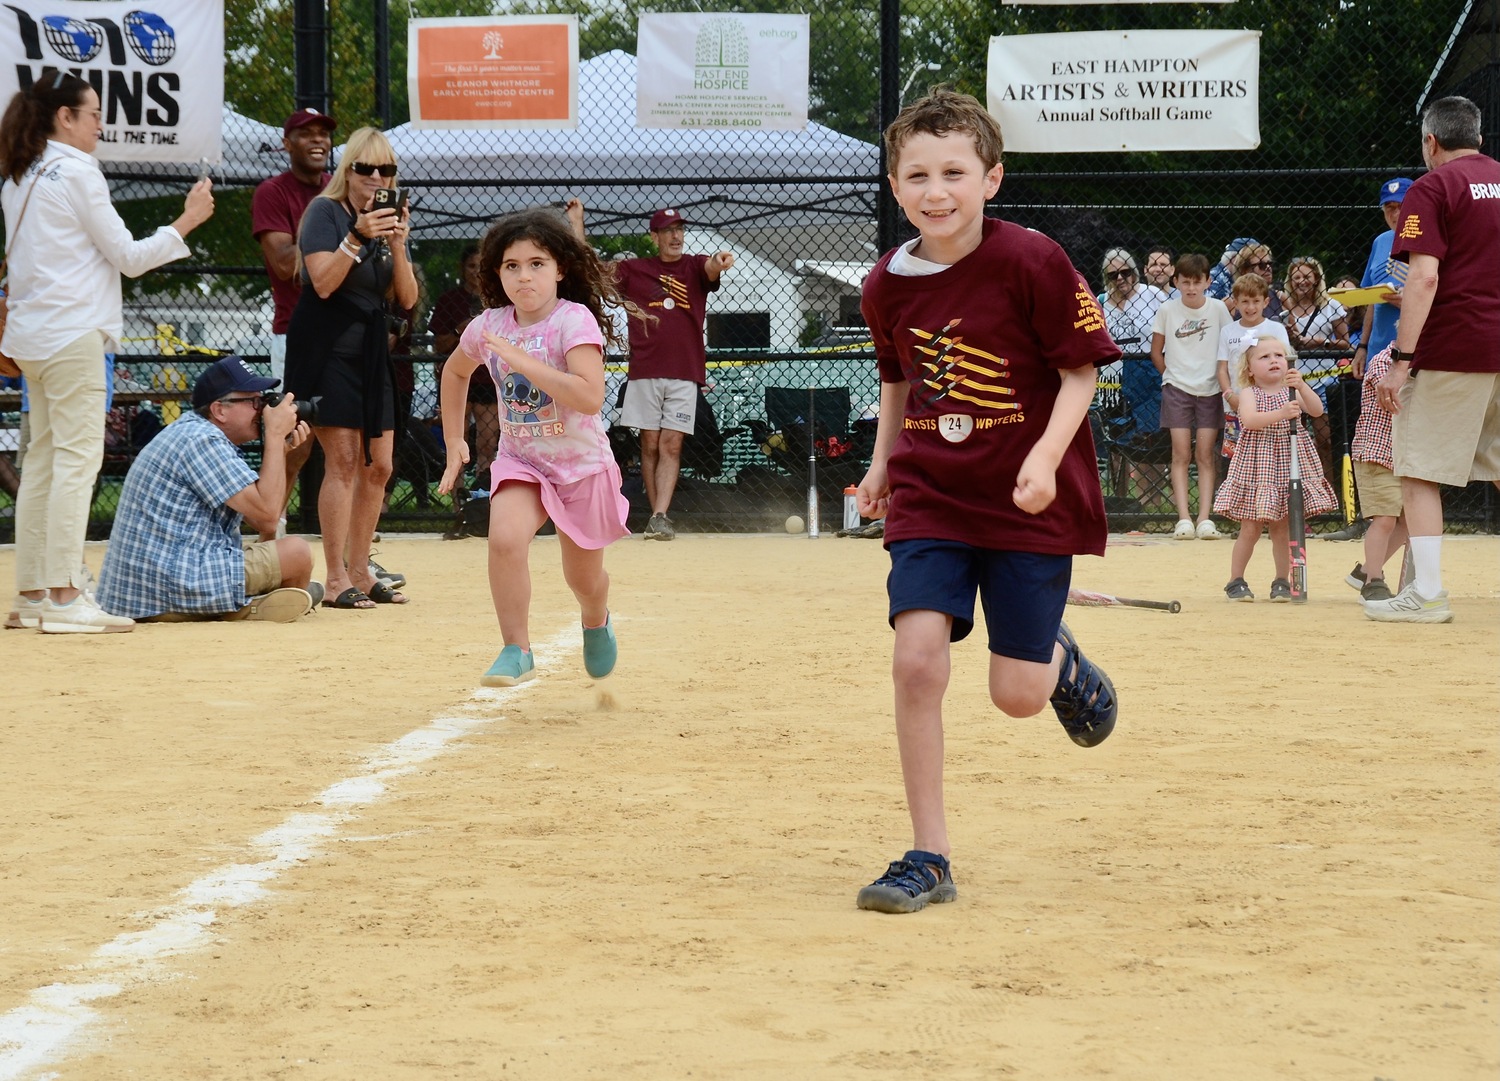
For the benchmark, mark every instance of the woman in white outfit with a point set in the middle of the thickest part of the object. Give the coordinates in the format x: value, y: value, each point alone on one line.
x: 67, y: 250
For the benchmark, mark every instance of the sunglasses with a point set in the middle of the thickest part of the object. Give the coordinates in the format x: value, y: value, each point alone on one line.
x: 1264, y: 264
x: 1117, y: 275
x: 364, y: 168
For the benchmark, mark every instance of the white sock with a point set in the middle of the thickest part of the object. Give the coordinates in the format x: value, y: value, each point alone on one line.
x: 1427, y: 556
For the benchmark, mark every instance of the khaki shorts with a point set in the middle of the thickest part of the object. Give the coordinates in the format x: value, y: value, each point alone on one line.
x: 1379, y: 490
x: 656, y: 404
x: 262, y: 568
x: 1448, y: 429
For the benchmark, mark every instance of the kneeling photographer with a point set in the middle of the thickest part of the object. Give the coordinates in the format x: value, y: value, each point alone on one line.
x: 176, y: 552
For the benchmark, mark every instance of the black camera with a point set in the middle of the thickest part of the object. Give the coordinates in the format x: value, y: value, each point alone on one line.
x: 307, y: 410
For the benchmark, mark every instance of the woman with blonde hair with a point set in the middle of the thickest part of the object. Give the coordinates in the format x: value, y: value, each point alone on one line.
x: 67, y: 248
x: 355, y: 264
x: 1313, y: 319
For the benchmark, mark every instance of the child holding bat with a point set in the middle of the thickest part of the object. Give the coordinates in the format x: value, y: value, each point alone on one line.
x: 987, y: 340
x: 1255, y: 491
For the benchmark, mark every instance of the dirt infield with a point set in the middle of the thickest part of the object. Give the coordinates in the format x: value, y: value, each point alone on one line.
x: 1282, y: 866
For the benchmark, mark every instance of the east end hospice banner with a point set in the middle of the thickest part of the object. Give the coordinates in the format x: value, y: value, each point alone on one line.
x: 158, y: 69
x: 498, y: 71
x: 722, y: 70
x: 1127, y: 90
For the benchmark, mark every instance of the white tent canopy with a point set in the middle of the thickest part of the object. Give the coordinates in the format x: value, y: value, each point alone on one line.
x: 623, y: 173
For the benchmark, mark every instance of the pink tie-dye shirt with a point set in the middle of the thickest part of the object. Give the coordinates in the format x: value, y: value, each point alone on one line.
x: 562, y: 444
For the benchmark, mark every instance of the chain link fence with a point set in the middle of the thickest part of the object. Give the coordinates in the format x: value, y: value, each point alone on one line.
x: 792, y: 384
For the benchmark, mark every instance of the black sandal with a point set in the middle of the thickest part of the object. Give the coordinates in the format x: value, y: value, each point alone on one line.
x: 1084, y: 701
x: 910, y: 884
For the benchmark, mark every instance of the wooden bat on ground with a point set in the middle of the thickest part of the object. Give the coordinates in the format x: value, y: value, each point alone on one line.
x: 1296, y: 531
x: 1109, y: 600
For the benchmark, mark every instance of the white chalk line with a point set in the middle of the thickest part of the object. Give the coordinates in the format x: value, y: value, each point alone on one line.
x: 39, y: 1032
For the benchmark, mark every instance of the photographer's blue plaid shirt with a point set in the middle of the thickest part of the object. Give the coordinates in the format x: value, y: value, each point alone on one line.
x: 176, y: 546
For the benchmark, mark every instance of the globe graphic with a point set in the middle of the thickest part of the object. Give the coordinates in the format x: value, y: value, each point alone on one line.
x: 72, y: 39
x: 150, y: 37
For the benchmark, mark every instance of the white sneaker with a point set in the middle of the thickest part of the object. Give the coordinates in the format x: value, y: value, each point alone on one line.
x: 1208, y: 531
x: 1409, y: 606
x: 81, y: 615
x: 24, y: 613
x: 1184, y: 530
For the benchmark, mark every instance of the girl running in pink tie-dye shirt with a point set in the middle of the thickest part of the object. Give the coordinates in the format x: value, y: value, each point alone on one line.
x: 542, y: 336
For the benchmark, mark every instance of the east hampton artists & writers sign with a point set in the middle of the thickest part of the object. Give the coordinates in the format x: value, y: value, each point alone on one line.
x: 1127, y: 90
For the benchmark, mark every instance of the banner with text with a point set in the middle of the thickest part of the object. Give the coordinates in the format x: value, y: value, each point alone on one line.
x: 159, y: 73
x: 720, y: 70
x: 1127, y: 90
x: 498, y: 71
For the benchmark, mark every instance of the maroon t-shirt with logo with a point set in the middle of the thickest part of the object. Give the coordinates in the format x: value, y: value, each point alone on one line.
x: 277, y: 207
x: 677, y: 294
x: 1453, y: 213
x: 976, y: 409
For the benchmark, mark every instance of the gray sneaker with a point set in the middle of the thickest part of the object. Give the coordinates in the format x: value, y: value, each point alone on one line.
x: 1375, y: 590
x: 659, y: 527
x: 1238, y: 590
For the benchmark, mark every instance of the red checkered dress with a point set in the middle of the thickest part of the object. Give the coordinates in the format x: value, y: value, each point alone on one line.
x: 1372, y: 435
x: 1255, y: 489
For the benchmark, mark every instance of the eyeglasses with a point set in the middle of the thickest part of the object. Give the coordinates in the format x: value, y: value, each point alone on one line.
x: 1117, y: 275
x: 258, y: 400
x: 364, y: 168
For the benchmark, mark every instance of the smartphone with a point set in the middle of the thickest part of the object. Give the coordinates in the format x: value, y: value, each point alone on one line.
x: 392, y: 197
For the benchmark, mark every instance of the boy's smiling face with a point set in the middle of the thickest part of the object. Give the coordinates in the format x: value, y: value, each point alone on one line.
x: 941, y: 184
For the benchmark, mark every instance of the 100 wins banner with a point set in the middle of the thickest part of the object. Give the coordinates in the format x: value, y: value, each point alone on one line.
x: 158, y: 68
x: 1127, y: 90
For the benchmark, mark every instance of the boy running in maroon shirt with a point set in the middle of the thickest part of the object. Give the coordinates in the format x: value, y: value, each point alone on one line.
x: 987, y: 339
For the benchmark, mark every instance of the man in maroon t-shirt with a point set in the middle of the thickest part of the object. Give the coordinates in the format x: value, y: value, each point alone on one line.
x: 667, y: 359
x: 276, y: 210
x: 1444, y: 382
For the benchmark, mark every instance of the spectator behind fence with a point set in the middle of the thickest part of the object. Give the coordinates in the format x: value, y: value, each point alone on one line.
x: 1221, y: 278
x: 1378, y: 329
x: 1379, y: 488
x: 68, y: 248
x: 1160, y: 269
x: 1185, y: 350
x: 668, y: 364
x: 175, y: 550
x: 1129, y: 305
x: 983, y: 468
x: 1313, y: 319
x: 357, y: 261
x: 1272, y: 399
x: 450, y: 315
x: 1444, y: 382
x: 1255, y: 258
x: 276, y: 210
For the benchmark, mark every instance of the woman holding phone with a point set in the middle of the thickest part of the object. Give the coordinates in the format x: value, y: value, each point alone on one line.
x: 355, y: 263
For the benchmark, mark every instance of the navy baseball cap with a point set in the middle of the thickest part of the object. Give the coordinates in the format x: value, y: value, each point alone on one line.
x: 225, y: 376
x: 1394, y: 190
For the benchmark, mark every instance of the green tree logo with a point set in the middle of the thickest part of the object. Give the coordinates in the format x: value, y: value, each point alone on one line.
x: 722, y: 43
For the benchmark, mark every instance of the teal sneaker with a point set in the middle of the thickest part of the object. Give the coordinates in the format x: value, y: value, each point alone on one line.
x: 600, y: 648
x: 514, y: 665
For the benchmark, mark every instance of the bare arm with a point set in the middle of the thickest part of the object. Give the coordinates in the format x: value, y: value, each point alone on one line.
x: 717, y: 264
x: 280, y: 250
x: 1036, y: 482
x: 453, y: 393
x: 262, y: 501
x: 874, y: 498
x: 1416, y: 305
x: 1158, y: 352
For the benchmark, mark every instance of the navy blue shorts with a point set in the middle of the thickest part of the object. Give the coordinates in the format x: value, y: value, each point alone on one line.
x: 1023, y: 593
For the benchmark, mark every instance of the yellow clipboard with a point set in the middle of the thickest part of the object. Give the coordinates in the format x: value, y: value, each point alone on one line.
x: 1358, y: 298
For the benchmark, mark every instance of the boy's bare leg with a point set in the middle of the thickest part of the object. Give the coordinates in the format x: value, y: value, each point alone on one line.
x: 1182, y: 457
x: 1206, y: 452
x: 919, y: 670
x: 1023, y: 688
x: 1385, y: 535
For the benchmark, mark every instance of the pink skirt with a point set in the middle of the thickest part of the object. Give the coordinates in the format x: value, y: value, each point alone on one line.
x: 590, y: 512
